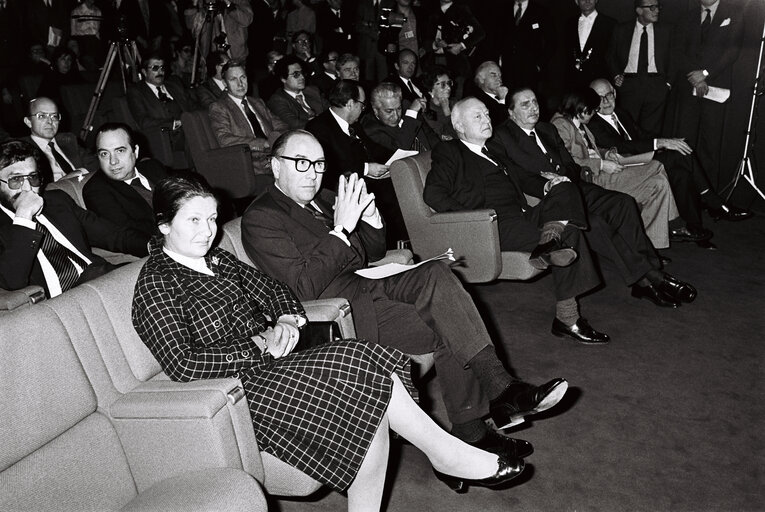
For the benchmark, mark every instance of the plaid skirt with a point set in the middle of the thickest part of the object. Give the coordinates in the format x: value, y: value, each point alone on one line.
x: 318, y: 409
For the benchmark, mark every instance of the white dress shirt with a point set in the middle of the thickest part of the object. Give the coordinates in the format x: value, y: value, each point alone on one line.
x: 58, y: 172
x: 156, y: 90
x: 632, y: 62
x: 585, y: 27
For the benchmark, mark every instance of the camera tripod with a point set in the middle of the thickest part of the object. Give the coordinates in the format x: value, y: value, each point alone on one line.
x: 212, y: 15
x: 126, y: 52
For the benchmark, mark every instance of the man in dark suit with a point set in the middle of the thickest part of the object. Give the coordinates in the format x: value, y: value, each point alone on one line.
x: 640, y: 66
x: 491, y: 91
x: 45, y: 239
x: 366, y: 26
x: 527, y: 43
x: 314, y: 241
x: 709, y: 39
x: 214, y: 87
x: 121, y: 191
x: 615, y: 128
x: 389, y: 128
x: 616, y: 231
x: 465, y: 175
x: 349, y: 150
x: 587, y: 39
x: 406, y: 69
x: 325, y: 79
x: 295, y: 104
x: 42, y: 18
x: 334, y: 27
x: 63, y: 155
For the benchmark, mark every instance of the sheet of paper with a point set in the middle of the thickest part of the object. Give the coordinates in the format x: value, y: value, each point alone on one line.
x: 391, y: 269
x: 717, y: 94
x: 399, y: 154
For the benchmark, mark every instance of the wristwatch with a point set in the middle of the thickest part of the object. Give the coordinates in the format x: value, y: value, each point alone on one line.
x: 705, y: 73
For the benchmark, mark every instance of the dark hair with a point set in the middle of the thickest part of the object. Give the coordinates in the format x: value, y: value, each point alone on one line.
x: 171, y: 193
x: 277, y: 148
x: 510, y: 98
x: 232, y: 64
x: 60, y: 52
x: 577, y: 101
x: 152, y: 56
x: 342, y: 91
x: 324, y: 56
x: 282, y: 66
x: 15, y: 150
x: 300, y: 33
x: 113, y: 126
x: 431, y: 75
x: 213, y: 60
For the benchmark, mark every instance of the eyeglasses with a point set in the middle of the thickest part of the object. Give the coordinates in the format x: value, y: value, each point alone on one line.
x: 302, y: 41
x: 303, y: 164
x: 53, y: 117
x: 444, y: 85
x: 16, y: 182
x: 363, y: 105
x: 296, y: 74
x: 608, y: 96
x: 157, y: 67
x: 652, y: 7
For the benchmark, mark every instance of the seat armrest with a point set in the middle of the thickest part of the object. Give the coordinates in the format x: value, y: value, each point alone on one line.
x: 336, y: 310
x: 485, y: 215
x: 12, y: 299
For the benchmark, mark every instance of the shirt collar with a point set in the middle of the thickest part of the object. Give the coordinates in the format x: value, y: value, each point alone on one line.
x: 220, y: 83
x: 43, y: 143
x: 144, y: 181
x: 342, y: 122
x: 589, y: 17
x: 198, y: 264
x: 236, y: 100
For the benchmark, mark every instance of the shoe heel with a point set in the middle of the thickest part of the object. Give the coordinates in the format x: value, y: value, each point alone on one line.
x: 455, y: 484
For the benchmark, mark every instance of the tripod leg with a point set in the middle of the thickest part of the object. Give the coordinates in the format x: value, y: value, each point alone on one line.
x: 87, y: 125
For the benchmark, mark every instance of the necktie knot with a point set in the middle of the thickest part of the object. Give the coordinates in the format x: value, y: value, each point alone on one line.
x: 59, y: 158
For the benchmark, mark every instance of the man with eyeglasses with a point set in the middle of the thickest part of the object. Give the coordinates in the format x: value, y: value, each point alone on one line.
x: 64, y: 155
x: 295, y: 103
x: 45, y: 238
x: 639, y: 62
x: 315, y: 240
x: 326, y: 78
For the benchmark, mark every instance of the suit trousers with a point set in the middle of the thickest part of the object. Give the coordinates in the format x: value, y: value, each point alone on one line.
x: 701, y: 123
x: 685, y: 183
x: 616, y: 232
x: 522, y: 234
x: 428, y: 310
x: 645, y: 97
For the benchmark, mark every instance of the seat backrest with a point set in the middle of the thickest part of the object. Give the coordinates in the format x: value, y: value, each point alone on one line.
x: 121, y: 112
x: 231, y: 241
x: 58, y: 452
x: 198, y: 131
x: 73, y: 186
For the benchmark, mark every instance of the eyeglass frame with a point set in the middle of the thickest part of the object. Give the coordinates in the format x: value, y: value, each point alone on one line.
x: 53, y: 117
x: 21, y: 179
x: 311, y: 163
x: 444, y: 84
x: 296, y: 74
x: 157, y: 67
x: 610, y: 96
x: 652, y: 7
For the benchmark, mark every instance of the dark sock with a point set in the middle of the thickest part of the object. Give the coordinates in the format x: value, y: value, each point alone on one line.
x: 490, y: 372
x: 469, y: 431
x: 676, y: 223
x: 551, y: 230
x: 567, y: 311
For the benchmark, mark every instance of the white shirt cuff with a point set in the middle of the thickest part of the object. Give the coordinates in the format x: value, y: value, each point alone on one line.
x: 374, y: 220
x: 411, y: 113
x: 342, y: 237
x: 25, y: 222
x: 366, y: 168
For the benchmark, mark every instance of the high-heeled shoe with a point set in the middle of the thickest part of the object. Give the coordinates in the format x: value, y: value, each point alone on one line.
x: 509, y: 468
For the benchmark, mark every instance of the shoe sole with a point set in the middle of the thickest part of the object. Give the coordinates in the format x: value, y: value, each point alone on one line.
x: 549, y: 401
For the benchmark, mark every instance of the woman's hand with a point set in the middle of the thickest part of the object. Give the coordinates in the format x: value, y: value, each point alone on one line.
x: 281, y: 339
x: 610, y: 167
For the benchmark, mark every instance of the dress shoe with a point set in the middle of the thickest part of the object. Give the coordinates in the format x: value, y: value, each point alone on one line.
x: 495, y: 442
x: 677, y: 289
x: 729, y: 212
x: 552, y: 253
x: 656, y: 295
x: 707, y: 244
x: 689, y: 234
x: 520, y: 399
x: 508, y: 468
x: 581, y: 331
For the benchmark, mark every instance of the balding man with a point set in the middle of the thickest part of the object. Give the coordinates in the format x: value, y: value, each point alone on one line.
x: 491, y: 91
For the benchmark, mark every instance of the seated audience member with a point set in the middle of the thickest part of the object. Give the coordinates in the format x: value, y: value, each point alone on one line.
x: 240, y: 119
x: 465, y: 175
x: 438, y: 83
x: 270, y: 83
x: 389, y: 128
x: 336, y: 400
x: 314, y: 241
x: 614, y: 127
x: 491, y: 92
x: 646, y: 182
x: 294, y: 103
x: 36, y: 63
x: 121, y: 191
x: 325, y: 79
x: 158, y: 103
x: 616, y: 231
x: 63, y: 71
x: 63, y: 154
x: 302, y: 48
x: 300, y: 19
x: 406, y: 70
x: 214, y: 87
x: 348, y: 68
x: 349, y: 150
x: 45, y: 238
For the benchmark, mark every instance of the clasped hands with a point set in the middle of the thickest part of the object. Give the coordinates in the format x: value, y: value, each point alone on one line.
x: 698, y: 81
x: 353, y: 202
x: 281, y: 339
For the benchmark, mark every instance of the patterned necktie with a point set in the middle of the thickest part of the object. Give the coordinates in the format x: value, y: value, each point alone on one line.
x: 162, y: 95
x: 586, y: 138
x: 60, y: 160
x: 320, y: 216
x: 60, y: 258
x: 620, y: 128
x: 642, y: 63
x: 518, y: 12
x: 301, y: 100
x: 256, y: 129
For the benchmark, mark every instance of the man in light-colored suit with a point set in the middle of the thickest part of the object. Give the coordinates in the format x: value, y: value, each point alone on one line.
x: 240, y: 119
x: 295, y: 104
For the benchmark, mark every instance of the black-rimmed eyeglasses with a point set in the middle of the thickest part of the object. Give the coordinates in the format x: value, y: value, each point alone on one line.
x: 16, y: 182
x: 652, y: 7
x: 610, y: 96
x: 303, y: 164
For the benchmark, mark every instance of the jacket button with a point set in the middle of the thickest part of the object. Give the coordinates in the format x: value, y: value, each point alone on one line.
x: 245, y: 353
x: 229, y: 358
x: 216, y: 324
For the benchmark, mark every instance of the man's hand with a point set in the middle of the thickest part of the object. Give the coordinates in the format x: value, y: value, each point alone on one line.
x: 610, y: 167
x: 281, y: 339
x: 502, y: 92
x: 455, y: 48
x: 702, y: 89
x: 351, y: 202
x: 418, y: 104
x: 440, y: 43
x: 260, y: 145
x: 674, y: 145
x: 176, y: 124
x: 28, y: 204
x: 378, y: 171
x: 695, y: 77
x: 618, y: 80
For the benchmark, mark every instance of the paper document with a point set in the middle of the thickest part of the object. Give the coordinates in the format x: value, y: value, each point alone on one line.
x: 717, y: 94
x: 391, y: 269
x: 399, y: 154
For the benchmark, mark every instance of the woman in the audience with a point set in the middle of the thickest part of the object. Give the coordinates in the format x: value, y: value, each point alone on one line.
x: 438, y: 83
x: 637, y: 175
x: 325, y: 410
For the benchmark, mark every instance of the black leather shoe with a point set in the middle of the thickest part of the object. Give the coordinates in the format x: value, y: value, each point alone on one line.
x: 552, y: 253
x: 707, y: 244
x: 656, y: 295
x: 495, y: 442
x: 509, y: 468
x: 689, y: 234
x: 729, y: 212
x: 677, y: 289
x: 520, y: 399
x: 581, y: 331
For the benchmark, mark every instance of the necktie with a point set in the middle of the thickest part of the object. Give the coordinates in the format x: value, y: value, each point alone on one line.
x: 518, y: 12
x: 706, y: 23
x: 586, y: 138
x: 320, y: 216
x: 61, y: 259
x: 301, y: 100
x: 256, y: 129
x: 145, y: 193
x: 642, y: 63
x: 496, y: 162
x: 60, y: 160
x: 620, y: 128
x: 541, y: 147
x: 411, y: 88
x: 162, y: 95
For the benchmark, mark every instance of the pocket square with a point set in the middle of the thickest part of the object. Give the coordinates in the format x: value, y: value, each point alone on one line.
x: 725, y: 22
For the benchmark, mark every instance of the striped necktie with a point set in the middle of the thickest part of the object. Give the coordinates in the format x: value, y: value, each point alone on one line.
x: 61, y: 258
